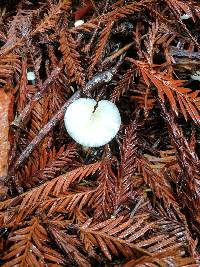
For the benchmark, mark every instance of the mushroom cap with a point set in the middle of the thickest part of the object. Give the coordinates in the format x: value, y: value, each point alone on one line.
x: 30, y: 76
x: 196, y: 76
x: 92, y: 124
x: 78, y: 22
x: 185, y: 16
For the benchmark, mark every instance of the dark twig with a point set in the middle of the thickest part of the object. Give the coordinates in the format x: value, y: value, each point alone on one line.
x: 118, y: 53
x: 176, y: 52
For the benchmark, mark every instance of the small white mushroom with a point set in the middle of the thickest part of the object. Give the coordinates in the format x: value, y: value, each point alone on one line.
x: 78, y: 22
x: 30, y: 76
x: 185, y: 16
x: 92, y: 124
x: 196, y: 75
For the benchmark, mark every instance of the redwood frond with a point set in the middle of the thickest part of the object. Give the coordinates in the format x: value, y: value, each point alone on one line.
x: 38, y: 118
x: 157, y: 35
x: 157, y: 182
x: 110, y: 19
x: 49, y: 21
x: 124, y: 187
x: 87, y: 26
x: 29, y: 248
x: 103, y: 40
x: 120, y: 236
x: 8, y: 65
x: 5, y: 104
x: 189, y: 178
x: 189, y: 102
x: 71, y: 57
x: 181, y: 7
x: 70, y: 245
x: 163, y: 260
x: 123, y: 85
x: 58, y: 185
x: 29, y: 202
x: 69, y: 202
x: 165, y: 159
x: 103, y: 198
x: 50, y: 164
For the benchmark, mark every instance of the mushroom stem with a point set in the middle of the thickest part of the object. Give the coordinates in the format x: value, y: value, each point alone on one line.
x: 85, y: 149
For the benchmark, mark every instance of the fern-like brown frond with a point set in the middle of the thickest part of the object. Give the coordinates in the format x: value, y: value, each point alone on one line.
x: 49, y: 21
x: 71, y: 57
x: 51, y: 163
x: 189, y: 102
x: 58, y: 185
x: 124, y: 188
x: 189, y: 178
x: 181, y: 7
x: 70, y: 245
x: 38, y: 118
x: 28, y: 247
x: 88, y: 26
x: 157, y: 35
x: 158, y: 183
x: 69, y: 202
x: 110, y: 19
x: 163, y: 260
x: 100, y: 48
x: 31, y: 200
x: 122, y: 86
x: 8, y: 65
x: 103, y: 198
x: 126, y: 237
x: 165, y: 159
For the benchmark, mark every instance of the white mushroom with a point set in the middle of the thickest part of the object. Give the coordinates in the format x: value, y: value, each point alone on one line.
x: 92, y: 124
x: 196, y: 75
x: 78, y: 22
x: 30, y: 76
x: 185, y: 16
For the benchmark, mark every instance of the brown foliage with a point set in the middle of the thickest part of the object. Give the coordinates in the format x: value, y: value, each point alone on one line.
x: 71, y: 57
x: 134, y: 201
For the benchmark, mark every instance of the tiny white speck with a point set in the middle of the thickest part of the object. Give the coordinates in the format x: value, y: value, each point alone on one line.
x: 196, y: 76
x: 185, y: 16
x: 30, y: 76
x: 78, y: 22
